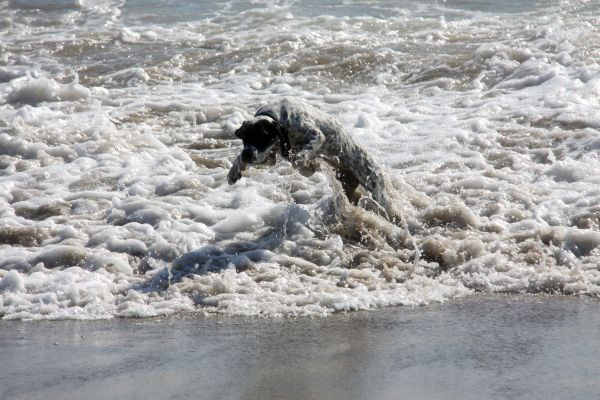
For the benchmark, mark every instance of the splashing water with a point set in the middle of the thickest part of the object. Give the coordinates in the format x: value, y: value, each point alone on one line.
x: 116, y: 134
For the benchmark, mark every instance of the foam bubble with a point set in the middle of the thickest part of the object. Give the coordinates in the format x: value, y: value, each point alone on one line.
x: 12, y: 282
x: 32, y: 91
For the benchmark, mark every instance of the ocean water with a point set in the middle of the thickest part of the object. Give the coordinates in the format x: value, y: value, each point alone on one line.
x: 116, y: 135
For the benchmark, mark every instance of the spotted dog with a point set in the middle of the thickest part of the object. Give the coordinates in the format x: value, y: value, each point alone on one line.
x: 303, y: 134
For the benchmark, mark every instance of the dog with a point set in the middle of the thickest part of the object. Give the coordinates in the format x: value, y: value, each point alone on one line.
x: 303, y: 134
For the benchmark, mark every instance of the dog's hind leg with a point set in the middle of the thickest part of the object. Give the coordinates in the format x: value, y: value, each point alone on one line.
x: 349, y: 184
x: 378, y: 185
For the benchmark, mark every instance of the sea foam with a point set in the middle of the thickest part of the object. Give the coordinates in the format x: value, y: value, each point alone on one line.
x: 117, y: 132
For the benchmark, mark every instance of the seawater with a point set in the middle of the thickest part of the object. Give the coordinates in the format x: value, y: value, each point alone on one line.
x: 116, y: 135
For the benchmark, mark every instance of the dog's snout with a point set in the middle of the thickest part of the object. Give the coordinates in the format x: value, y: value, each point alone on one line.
x: 247, y: 155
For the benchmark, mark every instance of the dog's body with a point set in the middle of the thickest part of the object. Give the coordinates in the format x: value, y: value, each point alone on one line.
x: 302, y: 134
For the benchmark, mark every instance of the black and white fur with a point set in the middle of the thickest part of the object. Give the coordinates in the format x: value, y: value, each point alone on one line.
x: 302, y: 134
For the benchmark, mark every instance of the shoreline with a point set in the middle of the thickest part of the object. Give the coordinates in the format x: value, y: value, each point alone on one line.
x: 481, y: 346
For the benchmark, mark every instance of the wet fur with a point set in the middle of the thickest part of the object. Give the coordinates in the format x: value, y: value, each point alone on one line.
x: 304, y: 134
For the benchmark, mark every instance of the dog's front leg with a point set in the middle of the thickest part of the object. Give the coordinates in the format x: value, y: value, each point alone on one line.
x: 235, y: 173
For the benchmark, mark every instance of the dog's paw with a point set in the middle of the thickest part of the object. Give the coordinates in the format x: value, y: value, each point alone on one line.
x: 300, y: 160
x: 305, y: 164
x: 233, y: 176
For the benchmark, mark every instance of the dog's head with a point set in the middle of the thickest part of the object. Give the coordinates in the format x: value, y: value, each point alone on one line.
x: 260, y: 136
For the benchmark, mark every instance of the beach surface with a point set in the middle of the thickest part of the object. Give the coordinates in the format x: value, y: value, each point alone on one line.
x: 478, y: 347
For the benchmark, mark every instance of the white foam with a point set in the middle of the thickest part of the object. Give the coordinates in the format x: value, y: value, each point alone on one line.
x: 569, y: 170
x: 12, y: 282
x: 29, y: 90
x: 116, y: 135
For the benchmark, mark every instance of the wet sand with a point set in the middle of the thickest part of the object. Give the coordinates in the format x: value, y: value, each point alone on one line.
x: 481, y: 347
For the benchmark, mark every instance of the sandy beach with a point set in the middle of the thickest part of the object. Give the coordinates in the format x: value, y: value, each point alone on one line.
x: 479, y: 347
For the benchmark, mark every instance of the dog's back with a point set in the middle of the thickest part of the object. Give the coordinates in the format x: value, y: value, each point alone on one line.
x: 300, y: 119
x: 303, y: 121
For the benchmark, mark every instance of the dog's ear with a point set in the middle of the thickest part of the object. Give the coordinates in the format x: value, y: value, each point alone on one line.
x: 284, y: 140
x: 240, y: 132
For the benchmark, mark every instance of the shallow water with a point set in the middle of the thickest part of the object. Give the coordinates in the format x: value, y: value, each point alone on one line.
x: 492, y: 347
x: 116, y: 134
